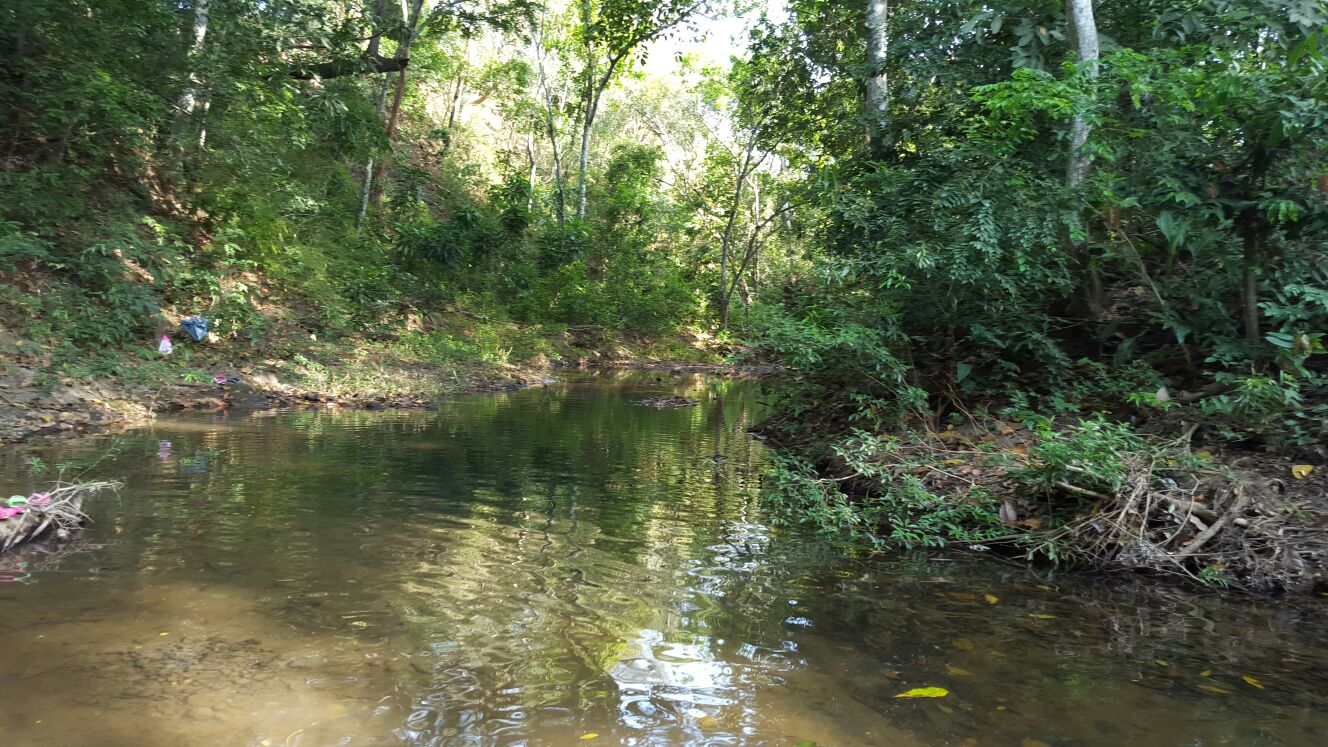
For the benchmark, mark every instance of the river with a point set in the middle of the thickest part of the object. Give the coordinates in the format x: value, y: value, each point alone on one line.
x: 559, y: 566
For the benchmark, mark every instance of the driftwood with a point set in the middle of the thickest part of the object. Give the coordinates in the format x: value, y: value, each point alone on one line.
x: 60, y: 515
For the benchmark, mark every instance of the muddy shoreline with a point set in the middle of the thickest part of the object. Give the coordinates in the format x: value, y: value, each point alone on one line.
x: 31, y: 405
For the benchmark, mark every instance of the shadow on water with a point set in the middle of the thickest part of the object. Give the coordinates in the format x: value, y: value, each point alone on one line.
x: 539, y: 566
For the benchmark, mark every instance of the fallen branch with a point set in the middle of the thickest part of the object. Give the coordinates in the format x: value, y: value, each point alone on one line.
x: 1203, y: 537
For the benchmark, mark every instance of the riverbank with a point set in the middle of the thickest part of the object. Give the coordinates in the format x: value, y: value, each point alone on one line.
x: 1086, y: 492
x: 447, y: 355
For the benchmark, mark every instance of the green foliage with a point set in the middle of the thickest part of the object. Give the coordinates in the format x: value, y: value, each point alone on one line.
x: 1269, y: 408
x: 1093, y: 452
x: 99, y: 295
x: 958, y: 267
x: 841, y: 365
x: 963, y: 245
x: 900, y: 512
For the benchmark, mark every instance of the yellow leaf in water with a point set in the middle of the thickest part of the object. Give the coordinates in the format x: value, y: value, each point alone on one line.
x: 1252, y: 681
x: 963, y: 644
x: 1301, y: 471
x: 1161, y: 663
x: 954, y: 671
x: 1206, y: 673
x: 924, y: 692
x: 1214, y: 690
x: 1042, y: 617
x: 591, y: 735
x: 165, y: 634
x: 991, y: 598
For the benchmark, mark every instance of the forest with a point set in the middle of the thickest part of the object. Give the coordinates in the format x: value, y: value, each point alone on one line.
x: 1041, y: 278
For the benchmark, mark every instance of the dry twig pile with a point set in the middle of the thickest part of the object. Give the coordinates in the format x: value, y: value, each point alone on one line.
x: 60, y: 515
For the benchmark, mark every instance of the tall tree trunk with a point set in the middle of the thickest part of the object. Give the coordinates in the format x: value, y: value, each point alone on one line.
x: 878, y: 98
x: 1083, y: 30
x: 745, y: 170
x: 534, y: 170
x: 560, y: 196
x: 551, y: 128
x: 1252, y: 228
x: 366, y: 189
x: 394, y: 115
x: 454, y: 107
x: 592, y: 107
x: 1250, y: 289
x: 189, y: 99
x: 375, y: 41
x: 584, y: 163
x: 589, y: 102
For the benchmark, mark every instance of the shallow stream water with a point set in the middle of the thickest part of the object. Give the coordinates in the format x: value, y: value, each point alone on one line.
x: 558, y: 566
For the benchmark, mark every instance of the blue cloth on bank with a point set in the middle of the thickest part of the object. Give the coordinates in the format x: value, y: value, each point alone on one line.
x: 196, y: 327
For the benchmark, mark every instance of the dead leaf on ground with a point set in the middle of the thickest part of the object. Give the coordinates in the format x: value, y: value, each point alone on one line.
x: 1008, y: 515
x: 1301, y: 471
x: 924, y: 692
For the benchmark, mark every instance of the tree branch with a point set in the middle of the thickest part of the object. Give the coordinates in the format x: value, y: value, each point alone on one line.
x: 340, y: 68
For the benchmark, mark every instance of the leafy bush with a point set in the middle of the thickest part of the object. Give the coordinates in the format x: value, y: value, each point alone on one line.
x: 894, y: 507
